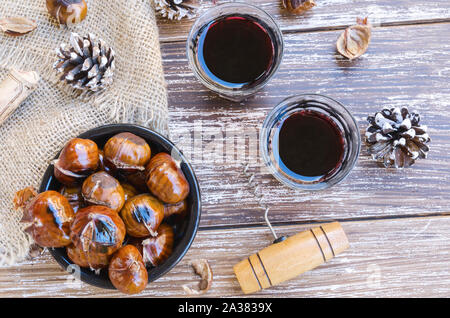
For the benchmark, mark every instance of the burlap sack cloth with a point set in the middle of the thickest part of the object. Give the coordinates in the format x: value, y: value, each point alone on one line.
x: 41, y: 126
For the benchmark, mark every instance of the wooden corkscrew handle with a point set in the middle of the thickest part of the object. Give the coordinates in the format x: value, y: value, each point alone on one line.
x: 291, y: 257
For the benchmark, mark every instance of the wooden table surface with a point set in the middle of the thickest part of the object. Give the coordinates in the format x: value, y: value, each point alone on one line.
x: 397, y: 221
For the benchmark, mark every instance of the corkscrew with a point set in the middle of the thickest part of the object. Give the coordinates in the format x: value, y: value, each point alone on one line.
x: 290, y: 256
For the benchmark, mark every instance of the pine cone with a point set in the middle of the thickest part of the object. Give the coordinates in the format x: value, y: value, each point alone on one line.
x: 176, y: 9
x: 395, y: 137
x: 88, y: 64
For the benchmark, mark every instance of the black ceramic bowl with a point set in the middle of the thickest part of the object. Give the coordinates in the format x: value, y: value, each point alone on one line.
x: 184, y: 232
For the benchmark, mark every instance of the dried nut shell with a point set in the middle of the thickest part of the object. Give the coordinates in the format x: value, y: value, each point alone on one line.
x: 127, y: 271
x: 17, y: 26
x: 354, y: 41
x: 298, y: 6
x: 201, y: 268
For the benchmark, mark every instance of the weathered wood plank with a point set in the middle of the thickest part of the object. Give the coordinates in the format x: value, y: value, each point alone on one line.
x: 407, y: 65
x: 327, y: 13
x: 387, y: 258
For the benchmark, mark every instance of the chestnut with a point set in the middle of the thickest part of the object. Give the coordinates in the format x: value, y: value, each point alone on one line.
x: 97, y: 231
x: 177, y: 209
x: 142, y: 215
x: 101, y: 162
x: 127, y: 271
x: 129, y: 191
x: 127, y: 152
x: 166, y: 180
x: 77, y: 160
x: 102, y: 189
x: 94, y: 261
x: 67, y: 11
x: 50, y: 215
x: 137, y: 179
x: 158, y: 249
x: 74, y: 196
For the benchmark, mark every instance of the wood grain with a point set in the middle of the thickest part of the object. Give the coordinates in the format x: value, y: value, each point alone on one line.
x: 404, y: 66
x: 328, y: 14
x: 386, y: 258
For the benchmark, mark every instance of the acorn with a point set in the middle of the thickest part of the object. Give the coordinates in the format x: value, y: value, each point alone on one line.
x: 78, y: 159
x: 67, y: 11
x: 156, y: 250
x: 166, y: 180
x: 102, y: 189
x: 127, y: 152
x: 97, y: 231
x: 142, y: 215
x: 50, y: 215
x: 127, y: 271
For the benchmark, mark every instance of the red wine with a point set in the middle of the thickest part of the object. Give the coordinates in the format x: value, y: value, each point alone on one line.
x: 310, y: 145
x: 236, y: 50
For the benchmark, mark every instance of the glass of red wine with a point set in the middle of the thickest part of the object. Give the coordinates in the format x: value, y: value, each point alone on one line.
x: 234, y: 49
x: 310, y: 142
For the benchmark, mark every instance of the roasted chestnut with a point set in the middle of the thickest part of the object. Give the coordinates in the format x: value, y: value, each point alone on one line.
x: 102, y: 189
x: 157, y: 249
x: 166, y: 180
x: 67, y: 11
x: 101, y: 163
x: 97, y: 231
x: 142, y: 215
x: 94, y: 261
x: 127, y: 152
x: 77, y: 160
x: 127, y: 271
x: 129, y: 191
x: 50, y: 215
x: 74, y: 196
x: 177, y: 209
x: 137, y: 179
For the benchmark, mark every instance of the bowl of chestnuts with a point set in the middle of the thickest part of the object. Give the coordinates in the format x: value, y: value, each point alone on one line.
x: 119, y: 206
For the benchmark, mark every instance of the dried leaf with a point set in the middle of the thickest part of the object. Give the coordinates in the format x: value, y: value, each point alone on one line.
x: 17, y: 26
x: 354, y: 41
x: 201, y: 268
